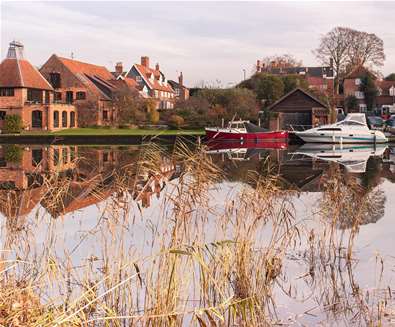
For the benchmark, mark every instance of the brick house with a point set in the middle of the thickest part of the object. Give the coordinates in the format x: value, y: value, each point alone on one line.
x: 89, y: 87
x: 296, y: 109
x: 180, y: 90
x: 153, y: 83
x: 319, y: 78
x: 386, y: 93
x: 25, y: 92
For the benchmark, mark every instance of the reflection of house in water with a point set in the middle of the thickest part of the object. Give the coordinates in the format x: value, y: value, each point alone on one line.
x: 22, y: 174
x: 147, y: 185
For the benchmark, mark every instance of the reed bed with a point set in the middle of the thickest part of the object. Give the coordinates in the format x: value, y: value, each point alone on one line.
x: 206, y: 253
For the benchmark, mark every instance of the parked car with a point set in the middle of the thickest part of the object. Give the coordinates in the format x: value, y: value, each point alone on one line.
x: 390, y: 125
x: 376, y: 122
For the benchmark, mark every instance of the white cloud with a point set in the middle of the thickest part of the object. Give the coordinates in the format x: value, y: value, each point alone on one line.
x: 206, y: 40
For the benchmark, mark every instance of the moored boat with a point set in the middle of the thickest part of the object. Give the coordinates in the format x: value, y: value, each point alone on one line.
x: 244, y: 131
x: 353, y: 129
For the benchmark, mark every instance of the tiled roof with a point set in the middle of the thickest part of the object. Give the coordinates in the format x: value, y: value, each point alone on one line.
x: 308, y: 71
x: 21, y: 73
x: 76, y: 67
x: 155, y: 85
x: 359, y: 71
x: 96, y: 78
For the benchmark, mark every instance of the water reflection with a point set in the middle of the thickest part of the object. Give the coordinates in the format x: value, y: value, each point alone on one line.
x: 250, y: 229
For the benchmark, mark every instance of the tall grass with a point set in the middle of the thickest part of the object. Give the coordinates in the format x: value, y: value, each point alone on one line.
x: 207, y: 258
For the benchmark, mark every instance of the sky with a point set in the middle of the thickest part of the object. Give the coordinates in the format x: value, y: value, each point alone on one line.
x: 208, y: 41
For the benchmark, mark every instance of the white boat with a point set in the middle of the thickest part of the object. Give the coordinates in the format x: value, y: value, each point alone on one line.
x: 353, y: 157
x: 353, y: 129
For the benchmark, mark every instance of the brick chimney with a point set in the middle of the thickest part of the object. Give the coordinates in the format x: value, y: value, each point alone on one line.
x: 157, y: 67
x: 181, y: 79
x: 119, y: 68
x: 145, y: 61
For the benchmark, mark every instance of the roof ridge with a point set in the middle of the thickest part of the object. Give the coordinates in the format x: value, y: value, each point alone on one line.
x: 20, y: 73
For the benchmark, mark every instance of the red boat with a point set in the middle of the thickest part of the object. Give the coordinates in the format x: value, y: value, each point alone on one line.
x: 243, y: 131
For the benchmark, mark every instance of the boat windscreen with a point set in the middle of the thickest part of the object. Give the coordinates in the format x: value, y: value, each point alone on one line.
x: 357, y: 118
x: 252, y: 128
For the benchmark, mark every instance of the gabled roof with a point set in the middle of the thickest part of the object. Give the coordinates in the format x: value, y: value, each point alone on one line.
x: 298, y: 89
x: 175, y: 84
x: 78, y: 67
x: 308, y: 71
x: 385, y: 85
x: 16, y: 72
x: 147, y: 72
x: 359, y: 71
x: 96, y: 78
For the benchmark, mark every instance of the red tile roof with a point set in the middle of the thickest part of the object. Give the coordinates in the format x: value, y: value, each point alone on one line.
x: 155, y: 85
x: 21, y: 73
x: 77, y: 67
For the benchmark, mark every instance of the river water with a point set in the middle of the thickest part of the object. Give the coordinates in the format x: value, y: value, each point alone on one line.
x: 72, y: 214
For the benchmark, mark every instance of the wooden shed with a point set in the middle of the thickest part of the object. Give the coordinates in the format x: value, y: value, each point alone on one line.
x: 297, y: 110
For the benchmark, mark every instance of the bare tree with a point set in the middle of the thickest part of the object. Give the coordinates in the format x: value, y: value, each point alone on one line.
x: 347, y: 48
x: 334, y: 50
x: 365, y: 49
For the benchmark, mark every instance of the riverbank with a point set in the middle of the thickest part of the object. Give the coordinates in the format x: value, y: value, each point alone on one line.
x: 114, y: 132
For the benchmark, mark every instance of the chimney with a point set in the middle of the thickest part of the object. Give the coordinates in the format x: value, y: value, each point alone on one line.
x: 157, y: 67
x: 258, y: 66
x: 15, y: 51
x: 119, y: 68
x: 331, y: 62
x: 145, y: 61
x: 181, y: 79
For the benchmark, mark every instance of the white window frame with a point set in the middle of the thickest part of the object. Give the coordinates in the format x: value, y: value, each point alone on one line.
x: 359, y: 95
x: 363, y: 108
x: 357, y: 81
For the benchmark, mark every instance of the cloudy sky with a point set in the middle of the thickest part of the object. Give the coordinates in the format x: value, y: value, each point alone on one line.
x: 210, y: 41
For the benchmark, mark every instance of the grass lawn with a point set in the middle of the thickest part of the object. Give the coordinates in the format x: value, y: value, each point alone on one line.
x: 117, y: 131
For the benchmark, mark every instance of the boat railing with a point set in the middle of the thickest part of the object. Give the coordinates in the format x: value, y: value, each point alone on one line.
x: 298, y: 128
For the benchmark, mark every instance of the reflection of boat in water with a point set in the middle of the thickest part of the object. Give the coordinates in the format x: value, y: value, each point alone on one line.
x: 353, y: 157
x: 243, y: 130
x: 237, y: 150
x: 353, y: 129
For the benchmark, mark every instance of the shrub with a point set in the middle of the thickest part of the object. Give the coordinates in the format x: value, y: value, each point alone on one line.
x: 176, y: 121
x: 154, y: 116
x: 12, y: 153
x: 12, y: 124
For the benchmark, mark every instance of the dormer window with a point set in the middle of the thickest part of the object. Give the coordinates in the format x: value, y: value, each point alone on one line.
x: 357, y: 81
x: 138, y: 79
x: 392, y: 91
x: 54, y: 79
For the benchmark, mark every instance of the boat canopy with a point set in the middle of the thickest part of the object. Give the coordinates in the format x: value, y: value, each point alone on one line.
x: 355, y: 118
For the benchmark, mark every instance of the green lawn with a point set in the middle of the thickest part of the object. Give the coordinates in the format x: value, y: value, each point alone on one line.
x: 118, y: 131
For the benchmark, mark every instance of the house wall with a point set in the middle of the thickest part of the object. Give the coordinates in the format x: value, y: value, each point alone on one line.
x: 90, y: 109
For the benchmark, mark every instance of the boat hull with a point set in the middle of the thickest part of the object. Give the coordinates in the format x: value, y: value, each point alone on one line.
x: 364, y: 138
x: 215, y: 134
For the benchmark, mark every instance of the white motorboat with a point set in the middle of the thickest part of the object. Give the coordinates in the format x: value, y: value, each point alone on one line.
x: 353, y: 129
x: 353, y: 157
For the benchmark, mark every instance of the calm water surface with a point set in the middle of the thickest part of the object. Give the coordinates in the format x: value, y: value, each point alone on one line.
x: 83, y: 206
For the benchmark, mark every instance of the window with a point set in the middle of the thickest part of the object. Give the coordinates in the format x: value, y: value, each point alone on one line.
x: 58, y: 96
x: 46, y: 97
x: 138, y: 79
x: 80, y: 96
x: 64, y: 118
x: 177, y: 91
x: 105, y: 115
x: 35, y: 96
x: 6, y: 92
x: 37, y: 157
x: 56, y: 119
x: 37, y: 119
x: 359, y: 95
x: 72, y: 119
x: 362, y: 107
x: 69, y: 97
x: 392, y: 91
x: 2, y: 115
x: 54, y: 80
x: 357, y: 81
